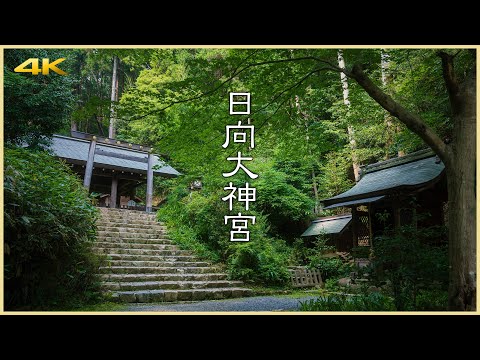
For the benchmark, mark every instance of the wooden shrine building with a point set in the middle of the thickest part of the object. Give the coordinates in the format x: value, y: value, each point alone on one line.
x: 391, y: 193
x: 111, y: 167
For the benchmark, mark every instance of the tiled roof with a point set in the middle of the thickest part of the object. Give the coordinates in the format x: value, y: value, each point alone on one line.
x: 381, y: 178
x: 354, y: 202
x: 76, y: 150
x: 328, y: 225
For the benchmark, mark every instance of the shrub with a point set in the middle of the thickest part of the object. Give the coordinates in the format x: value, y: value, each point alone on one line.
x: 361, y: 252
x: 410, y: 264
x: 196, y: 222
x: 330, y: 267
x: 432, y: 300
x: 49, y: 228
x: 259, y: 261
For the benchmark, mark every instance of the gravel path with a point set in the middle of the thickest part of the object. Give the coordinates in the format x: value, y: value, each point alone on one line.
x: 257, y: 303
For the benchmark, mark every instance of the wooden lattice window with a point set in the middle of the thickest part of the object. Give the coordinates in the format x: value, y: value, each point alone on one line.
x: 363, y: 231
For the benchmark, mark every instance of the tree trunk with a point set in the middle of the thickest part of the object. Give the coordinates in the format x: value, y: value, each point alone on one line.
x: 384, y: 65
x: 462, y: 202
x: 315, y: 192
x: 350, y: 131
x: 392, y: 129
x: 113, y: 98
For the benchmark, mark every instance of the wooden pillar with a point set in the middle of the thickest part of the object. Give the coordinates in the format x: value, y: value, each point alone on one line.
x: 113, y: 194
x: 150, y: 182
x: 354, y: 226
x: 370, y: 231
x: 89, y: 167
x: 396, y: 215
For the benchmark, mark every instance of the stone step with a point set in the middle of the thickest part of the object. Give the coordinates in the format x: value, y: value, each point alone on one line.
x: 129, y: 245
x: 139, y: 221
x: 145, y: 266
x: 146, y: 252
x: 109, y: 225
x: 118, y: 210
x: 146, y: 263
x: 163, y: 277
x: 157, y: 269
x: 158, y: 241
x: 181, y: 295
x: 127, y: 228
x: 158, y: 258
x: 127, y: 235
x: 169, y: 285
x: 130, y: 222
x: 125, y: 211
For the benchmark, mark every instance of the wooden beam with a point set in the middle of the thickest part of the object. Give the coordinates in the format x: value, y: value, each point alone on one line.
x: 113, y: 194
x: 89, y: 167
x: 149, y: 183
x: 106, y: 172
x: 122, y: 156
x: 105, y: 140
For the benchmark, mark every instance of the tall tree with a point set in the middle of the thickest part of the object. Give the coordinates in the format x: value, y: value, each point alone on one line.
x: 114, y: 97
x: 350, y: 130
x: 391, y: 127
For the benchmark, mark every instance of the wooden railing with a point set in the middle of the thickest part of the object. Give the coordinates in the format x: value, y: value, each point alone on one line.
x: 302, y: 277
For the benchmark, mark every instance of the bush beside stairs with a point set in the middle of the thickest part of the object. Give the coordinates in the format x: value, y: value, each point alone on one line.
x: 143, y: 265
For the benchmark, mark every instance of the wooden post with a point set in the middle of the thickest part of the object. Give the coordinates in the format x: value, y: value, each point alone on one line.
x: 354, y: 226
x: 149, y: 183
x: 370, y: 230
x: 113, y: 194
x: 396, y: 215
x: 89, y: 167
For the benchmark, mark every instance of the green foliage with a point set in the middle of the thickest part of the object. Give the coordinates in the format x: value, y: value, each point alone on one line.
x: 361, y: 252
x: 279, y: 199
x: 329, y: 267
x: 432, y: 300
x: 35, y: 105
x: 259, y: 261
x: 365, y: 302
x: 196, y: 221
x: 407, y: 260
x: 203, y: 212
x: 322, y: 257
x: 331, y: 285
x: 334, y: 176
x: 49, y: 228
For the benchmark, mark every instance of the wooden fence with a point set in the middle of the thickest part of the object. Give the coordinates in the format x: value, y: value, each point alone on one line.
x: 302, y: 277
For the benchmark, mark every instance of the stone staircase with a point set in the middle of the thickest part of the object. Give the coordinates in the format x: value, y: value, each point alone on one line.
x: 143, y: 265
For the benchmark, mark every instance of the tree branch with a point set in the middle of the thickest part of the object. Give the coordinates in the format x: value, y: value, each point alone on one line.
x: 275, y: 98
x: 451, y: 81
x: 413, y: 122
x: 237, y: 72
